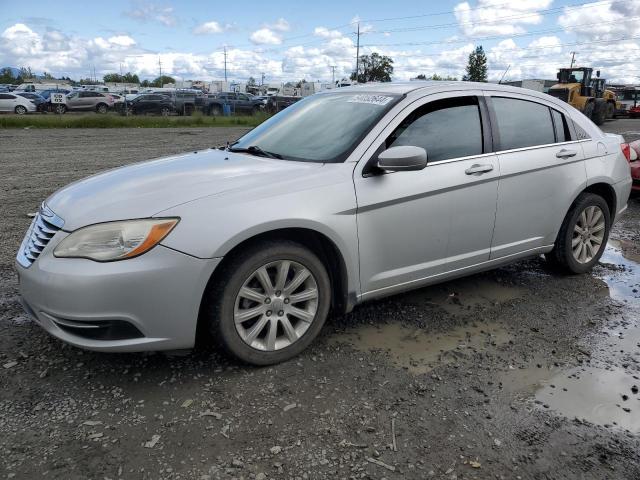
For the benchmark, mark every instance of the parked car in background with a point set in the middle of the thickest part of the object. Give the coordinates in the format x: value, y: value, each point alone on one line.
x: 10, y: 102
x: 46, y: 94
x: 634, y: 163
x: 86, y: 101
x: 151, y: 103
x: 238, y: 103
x: 276, y: 103
x: 347, y: 196
x: 185, y: 100
x: 41, y: 103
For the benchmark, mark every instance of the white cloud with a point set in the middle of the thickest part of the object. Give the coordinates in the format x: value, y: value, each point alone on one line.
x: 265, y: 36
x: 21, y: 40
x: 280, y: 25
x: 324, y: 32
x: 152, y: 12
x: 122, y: 41
x: 601, y: 21
x: 208, y: 28
x: 494, y: 17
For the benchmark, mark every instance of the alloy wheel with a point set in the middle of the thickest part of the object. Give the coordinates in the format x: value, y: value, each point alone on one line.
x: 276, y: 305
x: 588, y: 234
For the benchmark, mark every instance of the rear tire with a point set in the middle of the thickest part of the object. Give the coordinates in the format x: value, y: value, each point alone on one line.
x: 60, y: 109
x: 611, y: 111
x: 101, y: 108
x: 164, y: 111
x: 216, y: 110
x: 587, y: 222
x: 276, y: 332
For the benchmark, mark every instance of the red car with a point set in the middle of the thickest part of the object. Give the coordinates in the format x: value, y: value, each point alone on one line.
x: 633, y: 155
x: 634, y: 112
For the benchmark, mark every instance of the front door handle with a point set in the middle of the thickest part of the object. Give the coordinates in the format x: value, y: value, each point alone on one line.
x: 566, y: 153
x: 477, y: 168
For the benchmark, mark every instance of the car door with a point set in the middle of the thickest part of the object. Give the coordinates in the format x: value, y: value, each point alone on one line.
x: 541, y: 171
x: 6, y: 102
x: 244, y: 104
x: 414, y: 226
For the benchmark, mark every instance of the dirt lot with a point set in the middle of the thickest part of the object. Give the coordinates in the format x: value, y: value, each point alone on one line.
x: 517, y: 373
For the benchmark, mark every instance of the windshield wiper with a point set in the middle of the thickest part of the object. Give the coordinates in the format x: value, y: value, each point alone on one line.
x: 256, y: 150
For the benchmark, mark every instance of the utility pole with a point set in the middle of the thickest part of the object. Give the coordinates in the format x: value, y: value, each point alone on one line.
x: 262, y: 80
x: 225, y: 63
x: 358, y: 51
x: 160, y: 69
x: 573, y: 56
x: 333, y: 75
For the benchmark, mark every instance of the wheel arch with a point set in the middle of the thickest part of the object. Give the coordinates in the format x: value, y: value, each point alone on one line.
x: 320, y: 244
x: 607, y: 192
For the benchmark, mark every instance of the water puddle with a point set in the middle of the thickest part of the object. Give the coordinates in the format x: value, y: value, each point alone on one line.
x: 465, y: 294
x: 419, y: 351
x: 608, y: 393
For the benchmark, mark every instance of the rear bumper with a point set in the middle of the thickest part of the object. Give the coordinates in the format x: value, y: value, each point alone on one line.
x: 150, y: 302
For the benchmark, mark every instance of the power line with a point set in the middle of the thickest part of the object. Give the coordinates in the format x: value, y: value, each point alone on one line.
x: 497, y: 5
x: 497, y: 37
x: 498, y: 19
x: 540, y: 47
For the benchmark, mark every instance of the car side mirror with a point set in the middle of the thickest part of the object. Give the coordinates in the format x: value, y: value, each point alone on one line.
x: 403, y: 158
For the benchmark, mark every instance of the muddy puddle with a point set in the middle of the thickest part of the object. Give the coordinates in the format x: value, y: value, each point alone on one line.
x: 419, y: 351
x: 465, y: 294
x: 606, y: 391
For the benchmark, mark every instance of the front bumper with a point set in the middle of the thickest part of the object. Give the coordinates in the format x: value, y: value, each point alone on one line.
x: 150, y: 302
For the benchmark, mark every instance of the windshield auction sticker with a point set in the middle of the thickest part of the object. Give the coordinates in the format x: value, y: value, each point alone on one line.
x: 373, y: 99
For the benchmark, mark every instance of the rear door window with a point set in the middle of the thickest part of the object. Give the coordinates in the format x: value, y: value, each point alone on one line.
x: 449, y: 128
x: 560, y: 126
x: 522, y: 123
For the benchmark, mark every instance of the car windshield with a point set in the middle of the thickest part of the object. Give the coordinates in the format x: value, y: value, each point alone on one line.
x: 321, y: 128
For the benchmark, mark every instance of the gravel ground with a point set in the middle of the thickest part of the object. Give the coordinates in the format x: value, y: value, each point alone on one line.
x: 516, y: 373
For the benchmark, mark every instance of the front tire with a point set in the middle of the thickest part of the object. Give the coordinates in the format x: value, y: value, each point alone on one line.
x: 164, y: 111
x: 21, y: 110
x: 269, y: 303
x: 102, y: 108
x: 583, y: 235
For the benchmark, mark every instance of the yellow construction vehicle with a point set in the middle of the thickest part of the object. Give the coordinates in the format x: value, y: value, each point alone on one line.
x: 575, y: 87
x: 601, y: 91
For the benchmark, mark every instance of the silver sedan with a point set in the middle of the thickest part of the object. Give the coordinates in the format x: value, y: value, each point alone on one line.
x: 346, y: 196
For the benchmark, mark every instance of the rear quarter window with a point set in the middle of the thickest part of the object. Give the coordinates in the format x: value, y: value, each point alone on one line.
x: 522, y: 123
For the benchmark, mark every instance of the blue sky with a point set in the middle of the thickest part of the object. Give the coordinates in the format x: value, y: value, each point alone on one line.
x: 290, y: 41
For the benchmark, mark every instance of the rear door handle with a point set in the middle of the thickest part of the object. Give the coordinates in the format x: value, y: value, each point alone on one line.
x: 477, y: 168
x: 566, y: 153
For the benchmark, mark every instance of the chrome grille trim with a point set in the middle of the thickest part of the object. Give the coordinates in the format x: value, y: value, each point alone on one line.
x: 42, y: 229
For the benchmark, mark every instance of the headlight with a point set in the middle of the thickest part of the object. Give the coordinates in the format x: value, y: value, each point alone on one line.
x: 110, y: 241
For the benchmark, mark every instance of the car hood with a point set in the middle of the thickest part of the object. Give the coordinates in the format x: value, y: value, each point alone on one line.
x: 145, y: 189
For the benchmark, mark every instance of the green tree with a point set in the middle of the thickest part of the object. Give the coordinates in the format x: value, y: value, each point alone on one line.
x: 117, y: 78
x: 477, y: 66
x: 251, y: 82
x: 145, y: 84
x: 6, y: 76
x: 25, y: 73
x: 374, y: 68
x: 160, y: 81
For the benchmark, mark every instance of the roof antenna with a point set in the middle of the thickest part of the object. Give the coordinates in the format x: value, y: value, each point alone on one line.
x: 505, y: 72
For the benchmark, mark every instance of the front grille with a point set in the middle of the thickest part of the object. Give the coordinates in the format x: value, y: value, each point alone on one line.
x: 43, y: 227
